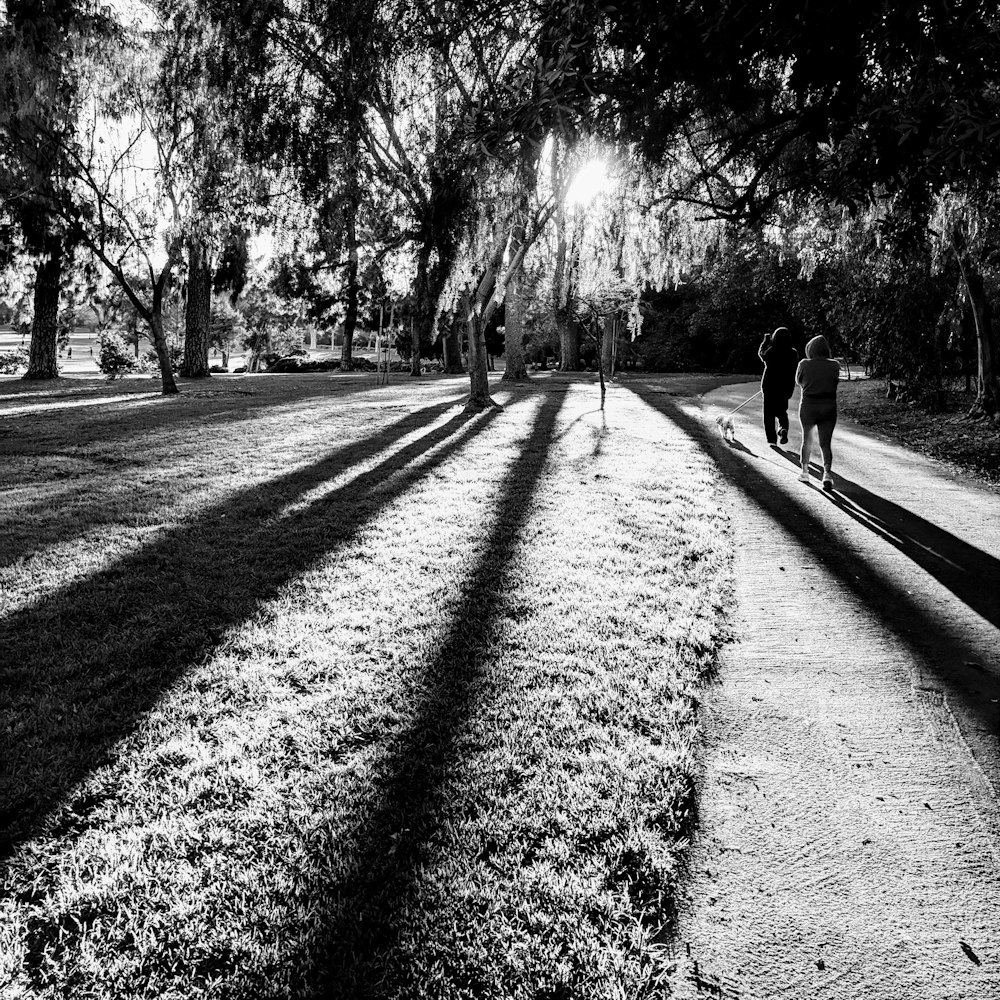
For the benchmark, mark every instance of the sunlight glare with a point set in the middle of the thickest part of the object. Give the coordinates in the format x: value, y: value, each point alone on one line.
x: 591, y: 180
x: 262, y: 248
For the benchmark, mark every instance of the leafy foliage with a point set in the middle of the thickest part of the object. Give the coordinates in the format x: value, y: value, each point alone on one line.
x: 878, y: 300
x: 844, y: 99
x: 12, y: 362
x: 115, y: 358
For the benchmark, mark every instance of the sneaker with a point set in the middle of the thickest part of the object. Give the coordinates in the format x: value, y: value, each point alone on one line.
x: 783, y: 436
x: 827, y: 482
x: 803, y: 476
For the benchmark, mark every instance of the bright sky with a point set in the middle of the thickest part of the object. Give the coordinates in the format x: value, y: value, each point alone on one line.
x: 130, y: 12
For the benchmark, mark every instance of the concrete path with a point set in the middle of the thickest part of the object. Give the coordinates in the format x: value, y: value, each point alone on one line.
x: 849, y: 831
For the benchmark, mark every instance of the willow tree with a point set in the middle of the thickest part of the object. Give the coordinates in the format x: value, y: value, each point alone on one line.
x: 525, y: 187
x: 546, y: 90
x: 848, y: 101
x: 494, y: 246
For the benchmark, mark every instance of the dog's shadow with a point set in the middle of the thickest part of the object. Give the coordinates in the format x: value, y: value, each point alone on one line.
x: 739, y: 446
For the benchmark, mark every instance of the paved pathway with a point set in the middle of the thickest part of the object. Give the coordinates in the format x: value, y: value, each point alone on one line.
x: 849, y: 834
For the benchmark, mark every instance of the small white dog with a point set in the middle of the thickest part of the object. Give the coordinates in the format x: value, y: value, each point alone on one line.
x: 727, y: 426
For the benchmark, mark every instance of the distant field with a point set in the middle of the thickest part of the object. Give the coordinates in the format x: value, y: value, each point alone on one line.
x: 80, y: 359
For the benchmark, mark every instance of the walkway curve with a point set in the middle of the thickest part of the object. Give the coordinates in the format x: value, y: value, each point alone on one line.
x: 849, y: 833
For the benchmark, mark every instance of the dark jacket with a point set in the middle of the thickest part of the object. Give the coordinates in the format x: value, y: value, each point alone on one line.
x: 780, y: 361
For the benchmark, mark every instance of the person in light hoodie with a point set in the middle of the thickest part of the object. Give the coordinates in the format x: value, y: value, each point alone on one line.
x: 818, y: 376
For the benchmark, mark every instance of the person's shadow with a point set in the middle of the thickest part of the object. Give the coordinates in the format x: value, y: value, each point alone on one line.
x: 971, y: 574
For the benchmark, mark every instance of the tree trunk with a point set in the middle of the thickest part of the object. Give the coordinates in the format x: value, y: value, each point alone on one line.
x: 351, y: 315
x: 608, y: 345
x: 425, y: 307
x: 515, y: 369
x: 569, y: 342
x: 558, y: 291
x: 602, y: 338
x: 513, y: 334
x: 197, y: 314
x: 162, y: 351
x: 479, y: 382
x: 452, y: 344
x: 441, y: 223
x: 967, y: 331
x: 562, y: 310
x: 261, y: 346
x: 42, y: 353
x: 987, y: 389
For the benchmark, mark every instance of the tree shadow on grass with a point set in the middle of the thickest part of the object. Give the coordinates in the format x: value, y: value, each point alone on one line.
x: 115, y: 429
x: 971, y: 574
x: 395, y: 837
x: 79, y: 669
x: 937, y: 645
x: 79, y: 468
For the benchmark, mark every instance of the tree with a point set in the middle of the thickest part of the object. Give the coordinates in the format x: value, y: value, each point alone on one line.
x: 131, y: 193
x: 432, y: 100
x: 45, y: 48
x: 547, y: 91
x: 306, y: 80
x: 222, y: 196
x: 846, y: 101
x: 270, y: 320
x: 967, y: 227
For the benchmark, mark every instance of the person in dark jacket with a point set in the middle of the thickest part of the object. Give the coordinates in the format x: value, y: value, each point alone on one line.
x: 778, y: 383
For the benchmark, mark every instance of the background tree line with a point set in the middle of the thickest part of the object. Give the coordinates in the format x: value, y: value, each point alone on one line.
x: 577, y: 177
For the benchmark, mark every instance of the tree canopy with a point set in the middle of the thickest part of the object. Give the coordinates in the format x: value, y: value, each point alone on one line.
x: 429, y: 157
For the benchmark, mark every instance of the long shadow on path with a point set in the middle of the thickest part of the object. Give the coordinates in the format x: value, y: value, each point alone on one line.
x: 941, y: 650
x: 393, y: 840
x: 971, y: 574
x: 80, y: 669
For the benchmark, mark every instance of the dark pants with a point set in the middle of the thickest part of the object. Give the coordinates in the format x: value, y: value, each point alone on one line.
x: 775, y: 408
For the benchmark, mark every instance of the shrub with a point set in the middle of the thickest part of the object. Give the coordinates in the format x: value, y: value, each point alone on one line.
x: 115, y: 358
x: 295, y: 363
x: 153, y: 361
x: 11, y: 362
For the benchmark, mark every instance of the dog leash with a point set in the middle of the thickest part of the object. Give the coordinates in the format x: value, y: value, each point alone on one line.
x: 745, y: 401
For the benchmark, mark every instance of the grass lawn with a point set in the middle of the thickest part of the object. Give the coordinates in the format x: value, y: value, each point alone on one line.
x: 309, y: 688
x: 973, y: 446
